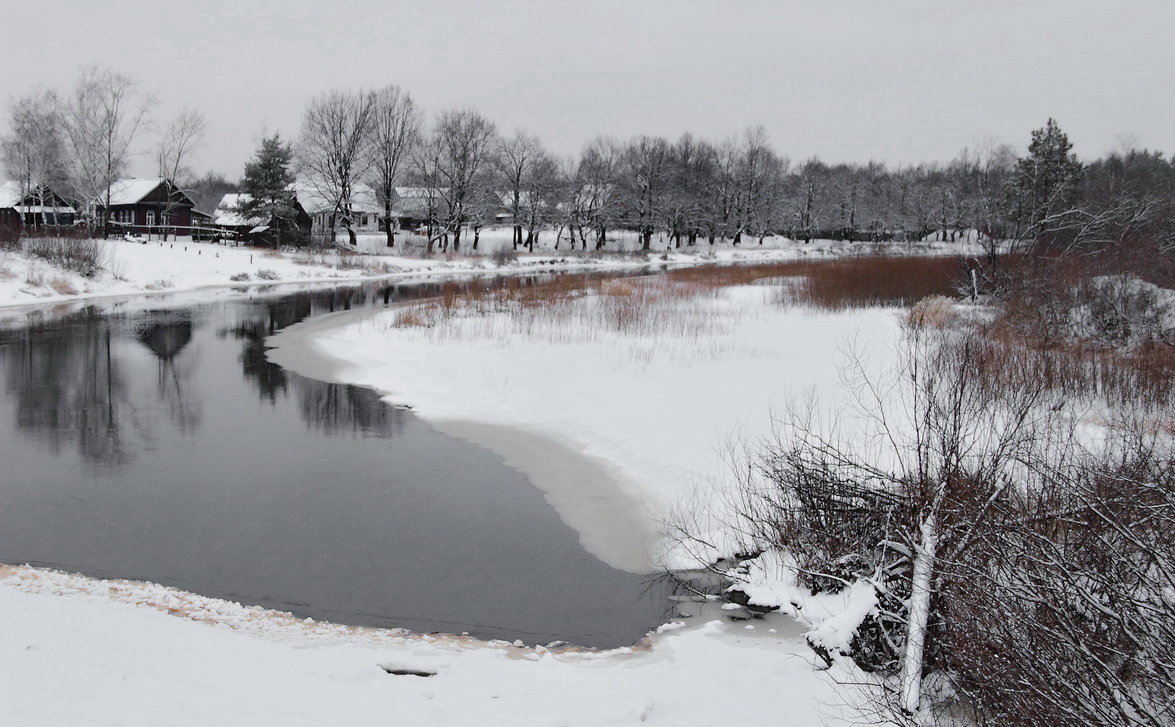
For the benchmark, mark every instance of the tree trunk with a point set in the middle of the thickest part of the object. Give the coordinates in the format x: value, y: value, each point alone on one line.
x: 919, y: 612
x: 389, y: 227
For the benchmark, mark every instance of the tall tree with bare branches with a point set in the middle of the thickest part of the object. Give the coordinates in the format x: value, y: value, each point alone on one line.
x: 334, y: 150
x: 102, y: 118
x: 462, y: 146
x: 179, y: 141
x: 395, y: 128
x: 33, y: 149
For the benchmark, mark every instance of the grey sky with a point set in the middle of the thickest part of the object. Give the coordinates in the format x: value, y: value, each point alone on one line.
x: 902, y: 81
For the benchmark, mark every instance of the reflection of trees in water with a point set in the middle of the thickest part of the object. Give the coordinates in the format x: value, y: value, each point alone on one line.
x: 166, y: 337
x: 69, y: 388
x: 268, y: 376
x: 330, y: 408
x: 343, y: 409
x: 268, y: 318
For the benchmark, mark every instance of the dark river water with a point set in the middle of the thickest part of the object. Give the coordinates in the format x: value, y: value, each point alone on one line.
x: 161, y: 445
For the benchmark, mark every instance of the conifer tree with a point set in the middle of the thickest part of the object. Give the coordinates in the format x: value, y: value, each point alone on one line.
x: 267, y: 181
x: 1046, y: 180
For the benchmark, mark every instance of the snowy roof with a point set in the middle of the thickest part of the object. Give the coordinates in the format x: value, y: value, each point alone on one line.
x: 227, y: 214
x: 10, y: 194
x: 313, y: 201
x: 130, y: 191
x: 420, y: 192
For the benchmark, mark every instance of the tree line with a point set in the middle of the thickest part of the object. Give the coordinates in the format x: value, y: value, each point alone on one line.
x: 688, y: 190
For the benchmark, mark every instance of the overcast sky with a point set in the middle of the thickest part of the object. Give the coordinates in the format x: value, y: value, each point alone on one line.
x: 848, y: 80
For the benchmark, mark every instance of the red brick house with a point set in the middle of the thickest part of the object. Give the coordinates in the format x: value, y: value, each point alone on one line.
x: 151, y: 206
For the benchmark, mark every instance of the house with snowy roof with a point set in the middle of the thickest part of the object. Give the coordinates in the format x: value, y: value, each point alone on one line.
x: 31, y: 207
x: 326, y: 214
x: 415, y: 207
x: 145, y: 206
x: 256, y: 229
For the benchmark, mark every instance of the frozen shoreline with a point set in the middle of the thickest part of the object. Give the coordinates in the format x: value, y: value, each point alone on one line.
x: 620, y: 435
x: 91, y: 651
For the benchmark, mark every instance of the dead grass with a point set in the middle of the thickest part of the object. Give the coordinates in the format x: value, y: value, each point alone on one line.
x: 842, y: 283
x: 61, y: 286
x: 675, y: 305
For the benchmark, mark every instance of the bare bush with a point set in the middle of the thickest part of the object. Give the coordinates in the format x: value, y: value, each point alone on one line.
x: 81, y: 256
x: 1029, y: 568
x: 267, y: 274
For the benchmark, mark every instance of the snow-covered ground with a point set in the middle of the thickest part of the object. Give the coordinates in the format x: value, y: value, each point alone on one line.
x: 78, y: 651
x: 129, y: 268
x: 623, y: 432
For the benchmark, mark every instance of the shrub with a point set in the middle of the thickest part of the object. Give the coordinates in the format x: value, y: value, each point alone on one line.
x: 934, y: 312
x: 240, y: 277
x: 267, y: 274
x: 504, y: 256
x: 81, y: 256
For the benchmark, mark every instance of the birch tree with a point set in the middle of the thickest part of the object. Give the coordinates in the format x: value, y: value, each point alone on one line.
x: 102, y: 118
x: 395, y: 129
x: 180, y: 140
x: 33, y: 149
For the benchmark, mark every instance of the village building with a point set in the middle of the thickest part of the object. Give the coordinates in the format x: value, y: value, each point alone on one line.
x: 146, y: 207
x: 326, y: 216
x: 25, y: 208
x: 414, y: 208
x: 231, y: 223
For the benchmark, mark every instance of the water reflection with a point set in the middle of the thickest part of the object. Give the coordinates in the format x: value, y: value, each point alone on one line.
x: 166, y: 335
x: 162, y: 445
x: 69, y: 388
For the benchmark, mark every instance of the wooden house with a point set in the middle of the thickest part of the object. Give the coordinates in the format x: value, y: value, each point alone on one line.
x: 152, y: 206
x: 33, y: 208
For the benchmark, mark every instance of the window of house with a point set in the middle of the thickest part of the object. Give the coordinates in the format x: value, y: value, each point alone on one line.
x: 151, y: 218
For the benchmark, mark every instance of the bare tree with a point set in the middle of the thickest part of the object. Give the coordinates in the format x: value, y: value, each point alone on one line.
x: 514, y: 162
x: 462, y: 146
x: 599, y: 168
x: 180, y: 140
x: 101, y: 119
x: 33, y: 149
x: 395, y: 129
x: 645, y: 173
x: 334, y: 149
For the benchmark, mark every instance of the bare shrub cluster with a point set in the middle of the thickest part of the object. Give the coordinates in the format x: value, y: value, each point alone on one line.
x: 82, y: 256
x: 1015, y: 556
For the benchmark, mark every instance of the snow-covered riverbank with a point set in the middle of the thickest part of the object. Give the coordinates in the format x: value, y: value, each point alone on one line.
x: 130, y: 268
x: 79, y: 651
x: 623, y: 431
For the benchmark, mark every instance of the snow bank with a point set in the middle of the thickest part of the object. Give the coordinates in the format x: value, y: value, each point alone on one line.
x: 115, y: 652
x: 181, y: 265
